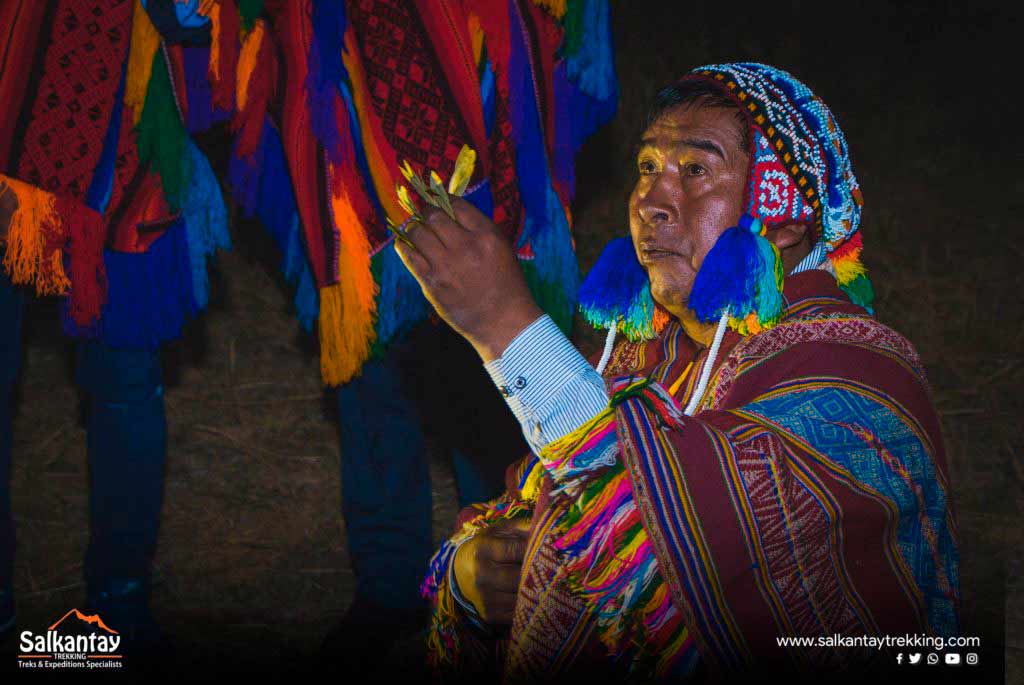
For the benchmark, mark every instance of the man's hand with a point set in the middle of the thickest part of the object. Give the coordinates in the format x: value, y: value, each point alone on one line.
x: 488, y: 566
x: 470, y: 274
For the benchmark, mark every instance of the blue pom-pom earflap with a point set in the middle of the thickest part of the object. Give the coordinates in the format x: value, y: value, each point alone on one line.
x: 617, y: 292
x: 742, y: 274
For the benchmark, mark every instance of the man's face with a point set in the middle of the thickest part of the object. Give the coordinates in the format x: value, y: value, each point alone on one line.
x: 693, y: 170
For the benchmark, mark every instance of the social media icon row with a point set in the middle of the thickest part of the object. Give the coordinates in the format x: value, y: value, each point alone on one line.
x: 951, y: 659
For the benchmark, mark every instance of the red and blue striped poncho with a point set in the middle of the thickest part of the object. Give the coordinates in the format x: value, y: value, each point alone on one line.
x: 808, y: 496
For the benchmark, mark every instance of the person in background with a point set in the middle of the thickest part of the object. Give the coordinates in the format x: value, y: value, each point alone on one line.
x: 106, y: 200
x: 366, y: 87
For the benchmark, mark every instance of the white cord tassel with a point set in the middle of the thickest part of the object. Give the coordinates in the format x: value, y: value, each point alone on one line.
x: 609, y: 345
x: 709, y: 363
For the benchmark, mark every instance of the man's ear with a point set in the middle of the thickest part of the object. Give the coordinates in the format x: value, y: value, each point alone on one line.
x: 787, y: 236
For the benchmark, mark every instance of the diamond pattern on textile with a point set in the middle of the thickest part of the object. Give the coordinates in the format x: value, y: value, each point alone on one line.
x: 407, y: 86
x: 72, y: 108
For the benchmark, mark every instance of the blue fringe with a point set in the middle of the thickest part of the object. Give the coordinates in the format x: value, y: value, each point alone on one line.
x: 729, y: 276
x: 617, y: 292
x: 206, y: 222
x: 150, y: 294
x: 400, y: 304
x: 592, y: 68
x: 546, y: 228
x: 262, y: 187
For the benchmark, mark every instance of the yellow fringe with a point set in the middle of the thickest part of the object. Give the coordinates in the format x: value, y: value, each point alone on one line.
x: 145, y: 43
x: 24, y: 259
x: 348, y: 308
x: 555, y: 8
x: 247, y: 61
x: 531, y: 488
x: 849, y: 267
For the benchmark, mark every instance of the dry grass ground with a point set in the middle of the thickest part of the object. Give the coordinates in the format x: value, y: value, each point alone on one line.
x: 252, y: 556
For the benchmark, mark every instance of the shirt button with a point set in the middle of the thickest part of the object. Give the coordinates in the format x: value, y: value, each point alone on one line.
x: 520, y: 383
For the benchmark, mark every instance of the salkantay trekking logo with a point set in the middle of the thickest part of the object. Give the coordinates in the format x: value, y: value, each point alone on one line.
x: 75, y: 641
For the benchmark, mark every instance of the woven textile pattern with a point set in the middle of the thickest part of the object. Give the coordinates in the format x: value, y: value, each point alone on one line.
x: 81, y: 73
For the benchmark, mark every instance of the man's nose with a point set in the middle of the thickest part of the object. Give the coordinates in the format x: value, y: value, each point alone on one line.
x: 657, y: 206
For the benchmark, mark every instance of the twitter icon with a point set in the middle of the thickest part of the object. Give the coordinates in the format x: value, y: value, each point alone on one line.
x: 915, y: 658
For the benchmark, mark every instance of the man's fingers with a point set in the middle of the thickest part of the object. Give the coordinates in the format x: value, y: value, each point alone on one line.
x: 470, y: 218
x: 424, y: 238
x: 414, y: 260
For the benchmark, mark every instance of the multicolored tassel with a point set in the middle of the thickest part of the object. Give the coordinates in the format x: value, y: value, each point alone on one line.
x: 742, y: 274
x: 851, y: 273
x: 617, y: 292
x: 609, y: 559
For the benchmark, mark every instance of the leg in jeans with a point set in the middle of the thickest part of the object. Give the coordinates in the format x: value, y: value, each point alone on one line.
x: 11, y: 311
x: 385, y: 487
x: 127, y: 439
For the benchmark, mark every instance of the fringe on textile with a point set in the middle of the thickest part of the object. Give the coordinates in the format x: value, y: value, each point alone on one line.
x: 609, y: 558
x: 46, y: 236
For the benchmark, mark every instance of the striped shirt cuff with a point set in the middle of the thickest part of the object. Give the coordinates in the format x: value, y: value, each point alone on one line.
x: 547, y: 383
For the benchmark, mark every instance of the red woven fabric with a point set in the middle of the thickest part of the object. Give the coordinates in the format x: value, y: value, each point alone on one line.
x: 86, y: 49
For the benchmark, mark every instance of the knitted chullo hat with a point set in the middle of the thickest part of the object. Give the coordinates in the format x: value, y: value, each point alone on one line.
x: 800, y: 172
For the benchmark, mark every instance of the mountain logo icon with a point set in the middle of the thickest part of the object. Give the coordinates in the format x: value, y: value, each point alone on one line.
x: 77, y: 617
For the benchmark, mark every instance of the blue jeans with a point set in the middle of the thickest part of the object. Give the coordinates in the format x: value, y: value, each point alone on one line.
x: 127, y: 445
x: 11, y: 315
x: 428, y: 385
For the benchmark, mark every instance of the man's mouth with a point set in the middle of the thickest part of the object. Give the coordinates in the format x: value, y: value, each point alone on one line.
x: 650, y: 254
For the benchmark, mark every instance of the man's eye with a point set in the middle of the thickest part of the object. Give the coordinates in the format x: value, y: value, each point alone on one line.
x: 695, y: 170
x: 646, y: 167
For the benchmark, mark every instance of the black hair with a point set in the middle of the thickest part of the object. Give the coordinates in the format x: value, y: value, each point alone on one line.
x: 699, y: 94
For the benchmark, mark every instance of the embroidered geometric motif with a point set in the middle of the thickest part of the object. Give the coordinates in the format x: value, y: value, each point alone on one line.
x: 774, y: 197
x: 72, y: 108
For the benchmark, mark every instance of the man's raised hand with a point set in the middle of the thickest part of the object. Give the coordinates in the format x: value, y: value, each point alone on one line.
x: 470, y: 274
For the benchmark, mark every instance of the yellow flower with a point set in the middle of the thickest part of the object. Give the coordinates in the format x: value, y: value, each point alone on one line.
x: 406, y: 170
x: 404, y: 199
x: 464, y: 165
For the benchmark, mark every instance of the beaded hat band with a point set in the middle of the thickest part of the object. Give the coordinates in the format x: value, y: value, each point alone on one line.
x: 800, y: 172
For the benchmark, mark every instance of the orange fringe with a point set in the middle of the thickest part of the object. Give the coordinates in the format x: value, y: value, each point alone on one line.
x: 660, y: 319
x: 35, y: 237
x: 477, y: 36
x: 247, y: 62
x: 145, y: 43
x: 348, y: 308
x: 211, y: 10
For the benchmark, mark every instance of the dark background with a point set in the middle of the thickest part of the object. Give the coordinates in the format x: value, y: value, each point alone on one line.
x: 253, y: 568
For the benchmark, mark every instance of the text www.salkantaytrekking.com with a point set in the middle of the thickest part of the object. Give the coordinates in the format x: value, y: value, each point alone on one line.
x: 880, y: 641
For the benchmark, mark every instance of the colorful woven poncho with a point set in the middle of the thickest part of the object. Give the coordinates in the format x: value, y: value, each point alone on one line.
x: 372, y: 83
x: 116, y: 206
x: 807, y: 493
